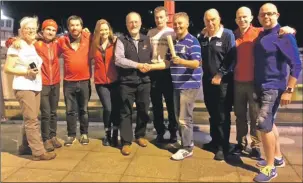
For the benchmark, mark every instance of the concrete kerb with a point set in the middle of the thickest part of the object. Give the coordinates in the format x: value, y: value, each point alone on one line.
x: 283, y: 130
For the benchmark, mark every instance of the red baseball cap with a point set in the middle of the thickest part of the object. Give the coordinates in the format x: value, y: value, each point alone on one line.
x: 49, y: 22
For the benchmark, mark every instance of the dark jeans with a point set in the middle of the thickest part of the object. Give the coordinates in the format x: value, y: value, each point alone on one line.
x: 48, y: 107
x: 76, y: 96
x: 218, y: 100
x: 162, y: 85
x: 269, y: 101
x: 109, y: 97
x: 245, y: 93
x: 131, y: 93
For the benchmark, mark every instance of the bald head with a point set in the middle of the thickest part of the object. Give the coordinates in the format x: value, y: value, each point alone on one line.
x: 212, y: 12
x: 269, y: 6
x: 268, y: 15
x: 243, y: 18
x: 133, y: 14
x: 244, y: 10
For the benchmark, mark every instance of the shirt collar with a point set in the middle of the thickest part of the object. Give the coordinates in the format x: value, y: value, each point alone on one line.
x: 218, y: 34
x: 275, y: 29
x: 239, y: 34
x: 187, y: 36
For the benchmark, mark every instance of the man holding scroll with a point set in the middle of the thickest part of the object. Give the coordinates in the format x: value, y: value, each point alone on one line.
x: 184, y: 60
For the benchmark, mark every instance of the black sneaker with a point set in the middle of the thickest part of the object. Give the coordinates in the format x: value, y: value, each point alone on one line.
x: 114, y: 140
x: 106, y: 141
x: 219, y: 156
x: 84, y: 139
x: 159, y: 139
x: 173, y: 138
x: 255, y: 153
x: 240, y: 150
x: 211, y: 146
x: 69, y: 141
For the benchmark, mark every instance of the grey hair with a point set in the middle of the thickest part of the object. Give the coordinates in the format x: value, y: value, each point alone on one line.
x: 26, y: 20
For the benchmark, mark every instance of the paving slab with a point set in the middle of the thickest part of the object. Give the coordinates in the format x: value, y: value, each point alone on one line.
x: 36, y: 175
x: 55, y: 164
x: 206, y: 170
x: 299, y: 170
x: 292, y: 154
x: 108, y: 149
x: 100, y: 162
x: 144, y: 179
x: 66, y: 154
x: 7, y: 171
x: 153, y: 167
x: 77, y: 146
x: 8, y: 159
x: 91, y: 177
x: 287, y: 174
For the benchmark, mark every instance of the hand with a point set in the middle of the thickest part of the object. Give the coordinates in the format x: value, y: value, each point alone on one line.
x: 32, y: 73
x: 216, y: 79
x: 286, y: 30
x: 177, y: 60
x: 285, y: 98
x: 204, y: 31
x: 86, y: 30
x: 145, y: 68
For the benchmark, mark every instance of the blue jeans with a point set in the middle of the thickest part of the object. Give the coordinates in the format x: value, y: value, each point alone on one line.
x: 76, y: 96
x: 184, y: 101
x: 269, y: 101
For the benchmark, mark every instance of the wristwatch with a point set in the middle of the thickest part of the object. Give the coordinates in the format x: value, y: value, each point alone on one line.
x: 289, y: 90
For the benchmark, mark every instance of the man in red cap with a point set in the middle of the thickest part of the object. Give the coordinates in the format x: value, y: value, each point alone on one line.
x: 47, y: 48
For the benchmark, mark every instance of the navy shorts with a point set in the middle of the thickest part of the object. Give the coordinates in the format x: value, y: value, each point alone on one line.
x: 269, y: 101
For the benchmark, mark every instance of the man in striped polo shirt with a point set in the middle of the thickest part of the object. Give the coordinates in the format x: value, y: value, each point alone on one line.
x: 186, y: 77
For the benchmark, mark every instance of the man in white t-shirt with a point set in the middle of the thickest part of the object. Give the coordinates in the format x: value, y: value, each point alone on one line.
x: 161, y: 79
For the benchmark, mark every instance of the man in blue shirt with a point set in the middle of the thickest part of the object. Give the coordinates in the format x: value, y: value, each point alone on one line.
x: 272, y: 55
x: 218, y: 50
x: 186, y: 77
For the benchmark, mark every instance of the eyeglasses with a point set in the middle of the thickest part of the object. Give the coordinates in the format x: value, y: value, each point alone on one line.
x: 28, y: 29
x: 269, y: 14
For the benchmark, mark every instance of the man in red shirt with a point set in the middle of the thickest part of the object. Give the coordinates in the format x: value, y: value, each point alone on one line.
x: 77, y: 72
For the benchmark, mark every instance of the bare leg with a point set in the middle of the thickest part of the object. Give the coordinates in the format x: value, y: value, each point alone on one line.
x: 277, y: 146
x: 268, y: 140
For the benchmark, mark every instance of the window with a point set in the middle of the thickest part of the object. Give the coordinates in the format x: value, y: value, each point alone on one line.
x: 2, y: 23
x: 8, y: 23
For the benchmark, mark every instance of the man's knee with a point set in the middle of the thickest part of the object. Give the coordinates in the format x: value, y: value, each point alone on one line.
x: 264, y: 125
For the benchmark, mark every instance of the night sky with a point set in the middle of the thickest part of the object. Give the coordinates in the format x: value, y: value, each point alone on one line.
x: 115, y: 12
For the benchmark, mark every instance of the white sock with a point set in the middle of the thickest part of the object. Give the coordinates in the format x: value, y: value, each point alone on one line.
x: 278, y: 158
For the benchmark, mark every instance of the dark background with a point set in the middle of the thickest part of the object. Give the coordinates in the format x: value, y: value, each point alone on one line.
x: 115, y: 12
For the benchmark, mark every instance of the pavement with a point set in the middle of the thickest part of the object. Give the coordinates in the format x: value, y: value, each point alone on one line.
x: 96, y: 163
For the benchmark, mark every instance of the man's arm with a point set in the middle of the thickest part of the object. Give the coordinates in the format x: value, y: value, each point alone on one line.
x: 195, y: 59
x: 230, y: 59
x: 120, y: 59
x: 288, y: 47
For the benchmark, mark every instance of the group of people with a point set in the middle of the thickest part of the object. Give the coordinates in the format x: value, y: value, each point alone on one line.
x: 248, y: 66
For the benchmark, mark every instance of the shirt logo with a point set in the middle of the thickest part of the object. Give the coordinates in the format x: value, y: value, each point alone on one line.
x: 204, y: 43
x: 144, y: 47
x: 183, y: 50
x: 218, y: 43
